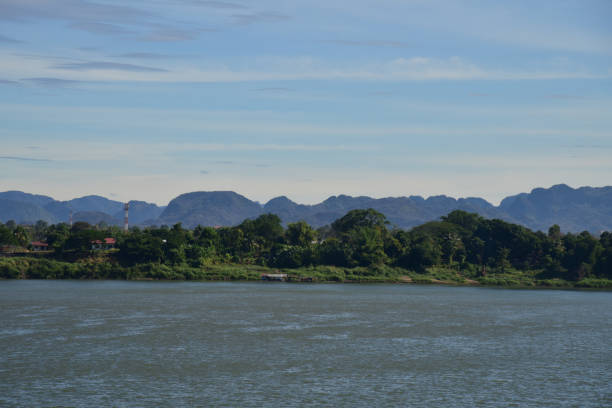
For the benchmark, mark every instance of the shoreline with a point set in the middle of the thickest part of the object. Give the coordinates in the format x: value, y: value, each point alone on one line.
x: 330, y: 282
x: 27, y: 268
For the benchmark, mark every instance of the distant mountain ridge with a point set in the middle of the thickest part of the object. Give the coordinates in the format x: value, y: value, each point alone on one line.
x: 209, y: 208
x: 574, y: 210
x: 584, y: 208
x: 403, y: 212
x: 29, y: 208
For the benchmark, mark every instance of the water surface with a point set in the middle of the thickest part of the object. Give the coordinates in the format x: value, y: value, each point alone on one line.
x: 149, y: 344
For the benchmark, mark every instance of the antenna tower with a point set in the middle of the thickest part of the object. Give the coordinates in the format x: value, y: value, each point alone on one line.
x: 125, y: 219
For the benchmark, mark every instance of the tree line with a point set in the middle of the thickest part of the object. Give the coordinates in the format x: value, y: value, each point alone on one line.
x: 461, y: 241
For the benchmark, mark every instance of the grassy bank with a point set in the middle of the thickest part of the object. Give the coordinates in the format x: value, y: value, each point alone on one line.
x: 97, y: 268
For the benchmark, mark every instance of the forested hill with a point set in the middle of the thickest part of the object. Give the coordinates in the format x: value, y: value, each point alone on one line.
x: 574, y: 210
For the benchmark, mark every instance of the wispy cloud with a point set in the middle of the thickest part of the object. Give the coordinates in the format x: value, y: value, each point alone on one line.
x: 139, y: 23
x: 574, y: 27
x: 4, y: 39
x: 168, y: 34
x: 88, y: 49
x: 262, y: 17
x: 42, y: 57
x: 380, y: 93
x: 28, y: 159
x: 143, y: 55
x: 564, y: 96
x: 72, y: 10
x: 103, y: 65
x: 257, y: 123
x: 532, y: 32
x: 89, y: 151
x: 525, y: 162
x: 273, y: 89
x: 210, y: 147
x: 8, y: 82
x: 203, y: 172
x: 51, y: 82
x: 220, y: 4
x: 371, y: 43
x: 100, y: 28
x: 590, y: 146
x: 284, y: 69
x: 241, y: 164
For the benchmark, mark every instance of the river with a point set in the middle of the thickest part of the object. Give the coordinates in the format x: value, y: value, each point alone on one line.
x: 184, y: 344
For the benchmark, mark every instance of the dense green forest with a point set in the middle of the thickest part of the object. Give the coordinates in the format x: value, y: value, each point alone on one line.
x: 361, y: 246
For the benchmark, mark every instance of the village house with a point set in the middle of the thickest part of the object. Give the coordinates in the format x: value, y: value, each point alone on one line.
x: 10, y: 249
x: 105, y: 244
x: 39, y: 246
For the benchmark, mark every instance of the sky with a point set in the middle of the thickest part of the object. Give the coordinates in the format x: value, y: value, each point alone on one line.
x: 146, y: 100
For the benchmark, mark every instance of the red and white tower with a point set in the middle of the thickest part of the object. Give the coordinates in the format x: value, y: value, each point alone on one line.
x: 125, y: 219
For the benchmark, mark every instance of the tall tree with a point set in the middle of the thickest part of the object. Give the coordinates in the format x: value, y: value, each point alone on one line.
x: 300, y: 234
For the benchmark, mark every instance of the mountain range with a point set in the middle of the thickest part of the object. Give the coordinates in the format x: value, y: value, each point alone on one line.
x: 574, y: 210
x: 29, y: 208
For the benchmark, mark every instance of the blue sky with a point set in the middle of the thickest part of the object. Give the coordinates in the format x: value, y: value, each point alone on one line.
x: 150, y: 99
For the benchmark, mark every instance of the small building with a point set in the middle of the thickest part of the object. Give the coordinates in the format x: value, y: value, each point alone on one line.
x: 279, y: 277
x: 102, y: 245
x: 39, y: 246
x: 10, y: 249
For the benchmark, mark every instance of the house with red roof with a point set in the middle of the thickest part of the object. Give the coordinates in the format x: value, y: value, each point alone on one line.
x: 105, y: 244
x: 39, y: 246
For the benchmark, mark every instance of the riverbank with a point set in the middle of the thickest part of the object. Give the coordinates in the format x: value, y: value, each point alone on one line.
x: 95, y: 269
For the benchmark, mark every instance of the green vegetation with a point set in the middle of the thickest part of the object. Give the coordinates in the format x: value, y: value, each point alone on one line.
x: 462, y: 249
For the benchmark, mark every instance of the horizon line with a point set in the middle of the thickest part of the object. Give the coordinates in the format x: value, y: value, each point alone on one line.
x: 314, y: 203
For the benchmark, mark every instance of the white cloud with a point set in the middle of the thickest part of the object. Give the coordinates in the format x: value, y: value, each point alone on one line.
x: 293, y: 124
x: 280, y: 69
x: 91, y: 151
